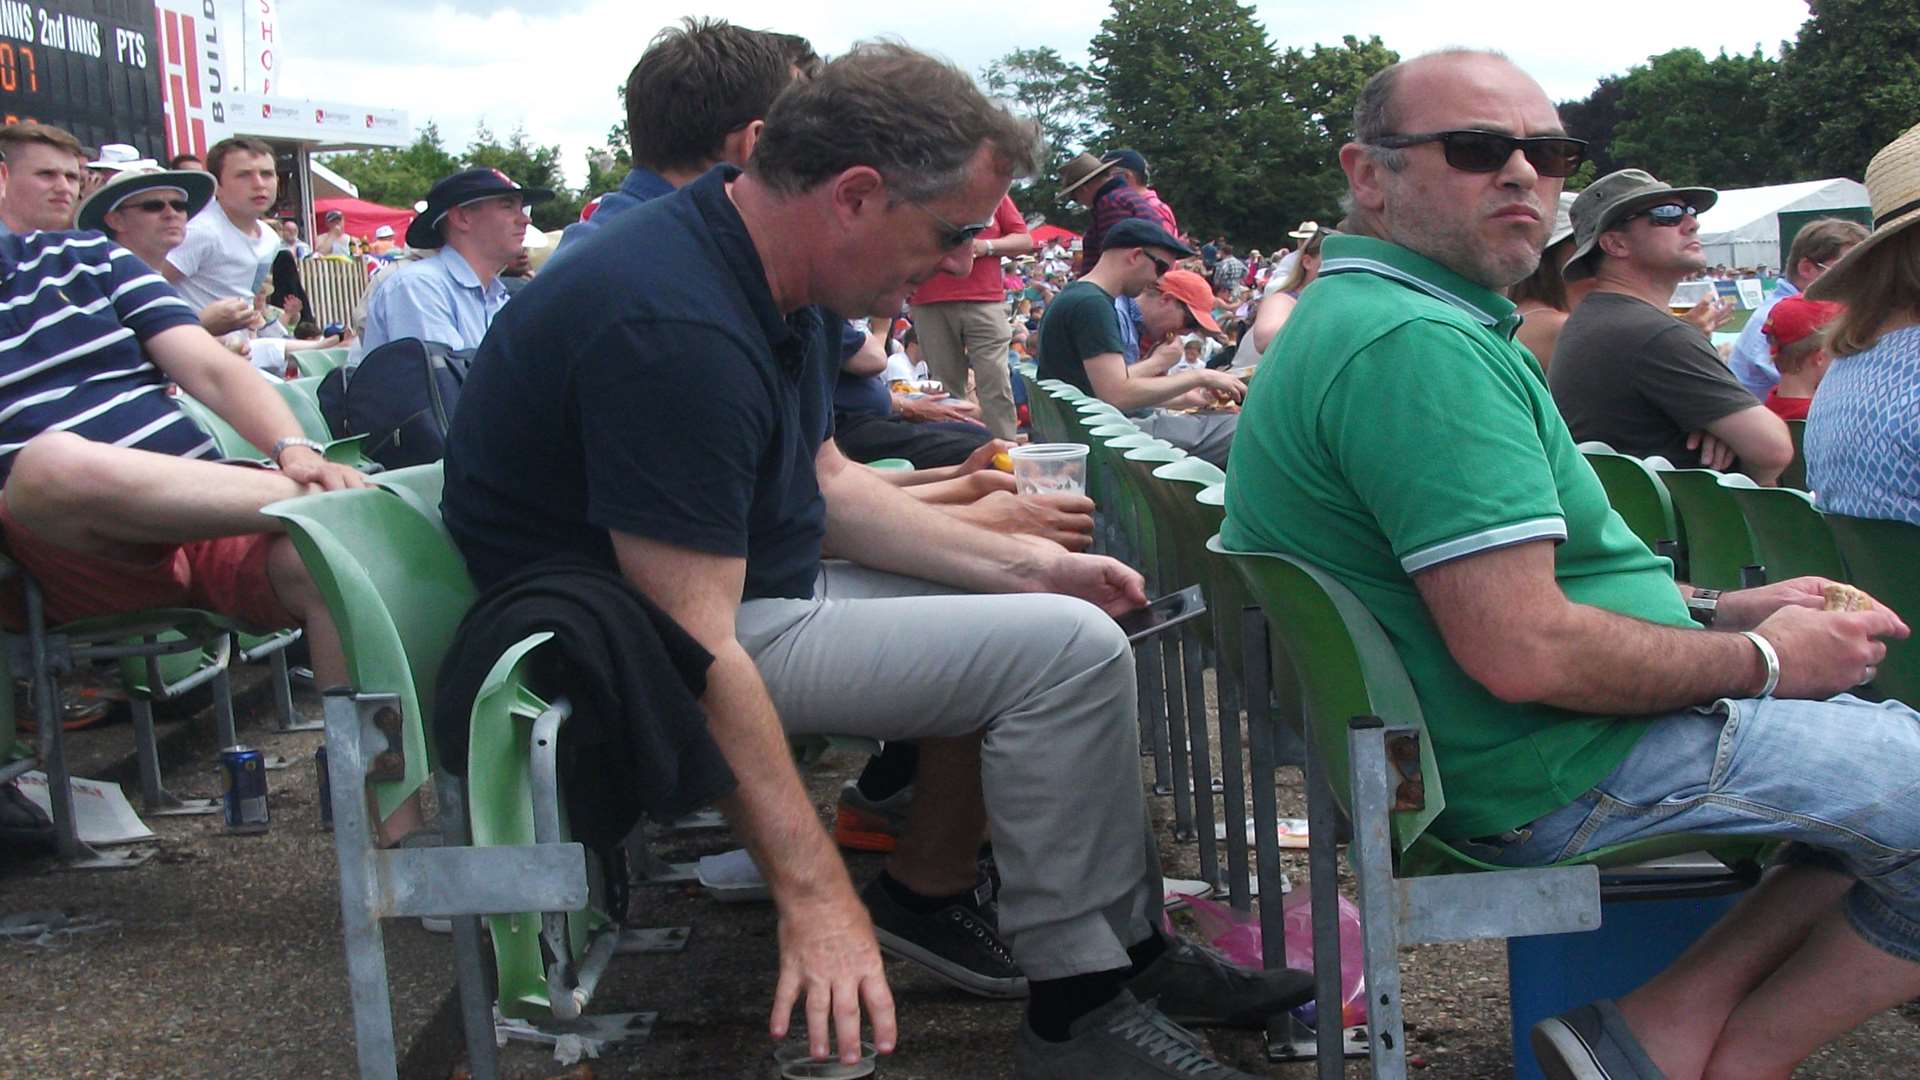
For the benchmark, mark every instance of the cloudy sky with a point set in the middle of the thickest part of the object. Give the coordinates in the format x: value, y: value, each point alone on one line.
x: 554, y: 65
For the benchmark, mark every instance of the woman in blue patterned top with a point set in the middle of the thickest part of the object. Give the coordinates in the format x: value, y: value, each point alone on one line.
x: 1863, y: 432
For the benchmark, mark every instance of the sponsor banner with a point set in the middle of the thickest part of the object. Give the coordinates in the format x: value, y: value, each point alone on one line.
x: 260, y: 47
x: 317, y: 121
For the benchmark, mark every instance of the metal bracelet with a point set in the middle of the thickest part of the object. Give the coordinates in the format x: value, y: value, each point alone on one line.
x: 1772, y: 660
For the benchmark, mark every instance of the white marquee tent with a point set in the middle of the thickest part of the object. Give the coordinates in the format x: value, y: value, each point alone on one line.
x: 1743, y: 228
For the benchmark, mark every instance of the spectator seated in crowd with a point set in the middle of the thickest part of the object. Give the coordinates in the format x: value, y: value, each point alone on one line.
x: 1863, y: 432
x: 697, y: 97
x: 39, y: 178
x: 1625, y: 371
x: 1793, y: 334
x: 1277, y: 305
x: 229, y: 245
x: 1817, y: 246
x: 1082, y: 342
x: 1131, y: 166
x: 581, y: 395
x: 1409, y: 448
x: 474, y: 224
x: 110, y: 498
x: 147, y: 213
x: 871, y: 422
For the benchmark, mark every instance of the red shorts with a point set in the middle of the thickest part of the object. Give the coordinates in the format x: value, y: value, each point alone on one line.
x: 227, y: 576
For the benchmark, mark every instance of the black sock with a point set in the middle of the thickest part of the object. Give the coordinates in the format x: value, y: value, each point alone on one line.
x: 923, y: 905
x: 1146, y: 952
x: 889, y: 771
x: 1054, y: 1004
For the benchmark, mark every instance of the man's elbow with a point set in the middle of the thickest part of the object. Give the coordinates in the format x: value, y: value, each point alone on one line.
x: 1516, y: 676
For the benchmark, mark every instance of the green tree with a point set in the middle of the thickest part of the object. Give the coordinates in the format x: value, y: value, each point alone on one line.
x: 1057, y: 96
x: 1324, y: 84
x: 1849, y: 84
x: 529, y: 166
x: 1594, y: 119
x: 397, y: 177
x: 1195, y: 86
x: 1688, y: 120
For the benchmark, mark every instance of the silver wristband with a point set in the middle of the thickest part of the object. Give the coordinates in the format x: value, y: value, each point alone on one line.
x: 295, y: 440
x: 1772, y: 659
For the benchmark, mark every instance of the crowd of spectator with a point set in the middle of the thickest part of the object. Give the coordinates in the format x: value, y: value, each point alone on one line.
x: 815, y: 265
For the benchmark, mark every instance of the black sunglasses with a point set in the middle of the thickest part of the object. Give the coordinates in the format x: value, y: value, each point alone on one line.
x: 952, y: 236
x: 1160, y: 266
x: 1667, y: 215
x: 157, y: 205
x: 1488, y: 151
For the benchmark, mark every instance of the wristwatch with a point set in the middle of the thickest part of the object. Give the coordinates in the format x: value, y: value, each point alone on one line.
x: 1703, y: 605
x: 295, y: 440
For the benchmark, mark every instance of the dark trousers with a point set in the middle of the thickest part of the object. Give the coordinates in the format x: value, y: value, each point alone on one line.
x: 865, y: 437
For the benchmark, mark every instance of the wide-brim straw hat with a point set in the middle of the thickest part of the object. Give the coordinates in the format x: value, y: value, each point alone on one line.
x: 1893, y: 190
x: 197, y: 185
x: 1081, y: 169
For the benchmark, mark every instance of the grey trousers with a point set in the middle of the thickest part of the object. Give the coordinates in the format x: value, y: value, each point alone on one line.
x: 956, y: 335
x: 1204, y: 435
x: 1049, y: 678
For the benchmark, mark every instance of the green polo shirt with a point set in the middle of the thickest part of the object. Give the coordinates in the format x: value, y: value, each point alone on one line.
x: 1396, y: 425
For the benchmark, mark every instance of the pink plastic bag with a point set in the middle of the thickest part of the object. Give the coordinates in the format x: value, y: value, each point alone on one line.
x: 1237, y: 936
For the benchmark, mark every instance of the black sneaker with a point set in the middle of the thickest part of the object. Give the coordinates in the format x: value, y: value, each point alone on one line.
x: 1592, y: 1042
x: 1121, y: 1040
x: 1196, y: 986
x: 957, y: 943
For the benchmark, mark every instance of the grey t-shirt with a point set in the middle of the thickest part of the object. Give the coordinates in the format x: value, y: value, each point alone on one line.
x: 1635, y: 377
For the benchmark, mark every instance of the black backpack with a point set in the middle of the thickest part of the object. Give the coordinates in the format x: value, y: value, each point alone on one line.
x: 401, y: 397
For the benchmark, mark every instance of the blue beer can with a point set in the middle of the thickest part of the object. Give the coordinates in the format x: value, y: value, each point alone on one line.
x: 246, y: 798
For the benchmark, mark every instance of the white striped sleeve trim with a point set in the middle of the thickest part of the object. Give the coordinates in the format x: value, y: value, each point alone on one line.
x: 1520, y: 532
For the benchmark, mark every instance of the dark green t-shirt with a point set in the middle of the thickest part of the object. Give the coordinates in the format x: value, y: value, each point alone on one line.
x: 1078, y: 324
x: 1634, y: 377
x: 1396, y: 426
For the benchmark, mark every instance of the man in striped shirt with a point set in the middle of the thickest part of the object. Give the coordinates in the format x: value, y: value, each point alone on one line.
x: 108, y: 494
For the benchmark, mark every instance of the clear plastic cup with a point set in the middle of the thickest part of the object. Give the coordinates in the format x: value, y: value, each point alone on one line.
x: 793, y: 1061
x: 1045, y: 468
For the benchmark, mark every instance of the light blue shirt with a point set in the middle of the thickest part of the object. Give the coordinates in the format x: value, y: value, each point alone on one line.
x: 1863, y: 432
x: 1751, y: 361
x: 438, y: 298
x: 1130, y: 318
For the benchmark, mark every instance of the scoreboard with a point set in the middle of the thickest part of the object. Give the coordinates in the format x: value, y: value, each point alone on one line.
x: 89, y: 66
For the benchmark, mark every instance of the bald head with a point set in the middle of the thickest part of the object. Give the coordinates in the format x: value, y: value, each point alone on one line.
x: 1486, y: 226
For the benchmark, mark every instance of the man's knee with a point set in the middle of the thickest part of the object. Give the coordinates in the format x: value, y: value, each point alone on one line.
x: 59, y: 474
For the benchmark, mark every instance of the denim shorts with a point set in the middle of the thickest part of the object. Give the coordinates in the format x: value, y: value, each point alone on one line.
x: 1839, y: 778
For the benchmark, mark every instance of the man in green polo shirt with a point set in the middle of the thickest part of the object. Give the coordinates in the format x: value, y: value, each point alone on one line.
x: 1404, y: 441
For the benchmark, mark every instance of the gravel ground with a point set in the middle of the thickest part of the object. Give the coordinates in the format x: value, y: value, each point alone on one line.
x: 226, y: 962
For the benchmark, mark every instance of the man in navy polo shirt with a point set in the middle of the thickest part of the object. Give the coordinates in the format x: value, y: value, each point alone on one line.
x: 662, y: 403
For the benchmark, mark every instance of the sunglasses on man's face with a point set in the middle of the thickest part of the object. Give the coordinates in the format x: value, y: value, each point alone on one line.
x: 951, y: 235
x: 155, y: 206
x: 1160, y: 265
x: 1489, y: 151
x: 1668, y: 215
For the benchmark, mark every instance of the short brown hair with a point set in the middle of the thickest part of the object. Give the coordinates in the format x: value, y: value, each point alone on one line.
x: 915, y: 119
x: 1821, y: 241
x: 13, y: 136
x: 1791, y: 359
x: 698, y: 82
x: 1884, y: 286
x: 225, y: 148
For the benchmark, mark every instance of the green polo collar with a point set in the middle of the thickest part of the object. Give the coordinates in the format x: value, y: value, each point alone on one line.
x: 1346, y: 254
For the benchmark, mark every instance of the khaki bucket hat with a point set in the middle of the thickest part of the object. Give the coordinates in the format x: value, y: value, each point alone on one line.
x: 1080, y: 170
x: 1612, y: 199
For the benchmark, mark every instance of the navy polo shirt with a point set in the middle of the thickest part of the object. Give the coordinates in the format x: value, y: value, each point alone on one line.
x: 649, y: 385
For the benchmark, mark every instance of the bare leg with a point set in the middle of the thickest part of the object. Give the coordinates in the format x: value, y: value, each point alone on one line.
x: 937, y: 852
x: 1829, y: 986
x: 105, y: 500
x: 1678, y: 1014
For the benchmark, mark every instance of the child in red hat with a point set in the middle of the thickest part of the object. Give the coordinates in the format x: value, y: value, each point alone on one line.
x: 1799, y: 351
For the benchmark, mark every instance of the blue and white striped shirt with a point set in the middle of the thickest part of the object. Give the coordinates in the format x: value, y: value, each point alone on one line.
x: 75, y: 309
